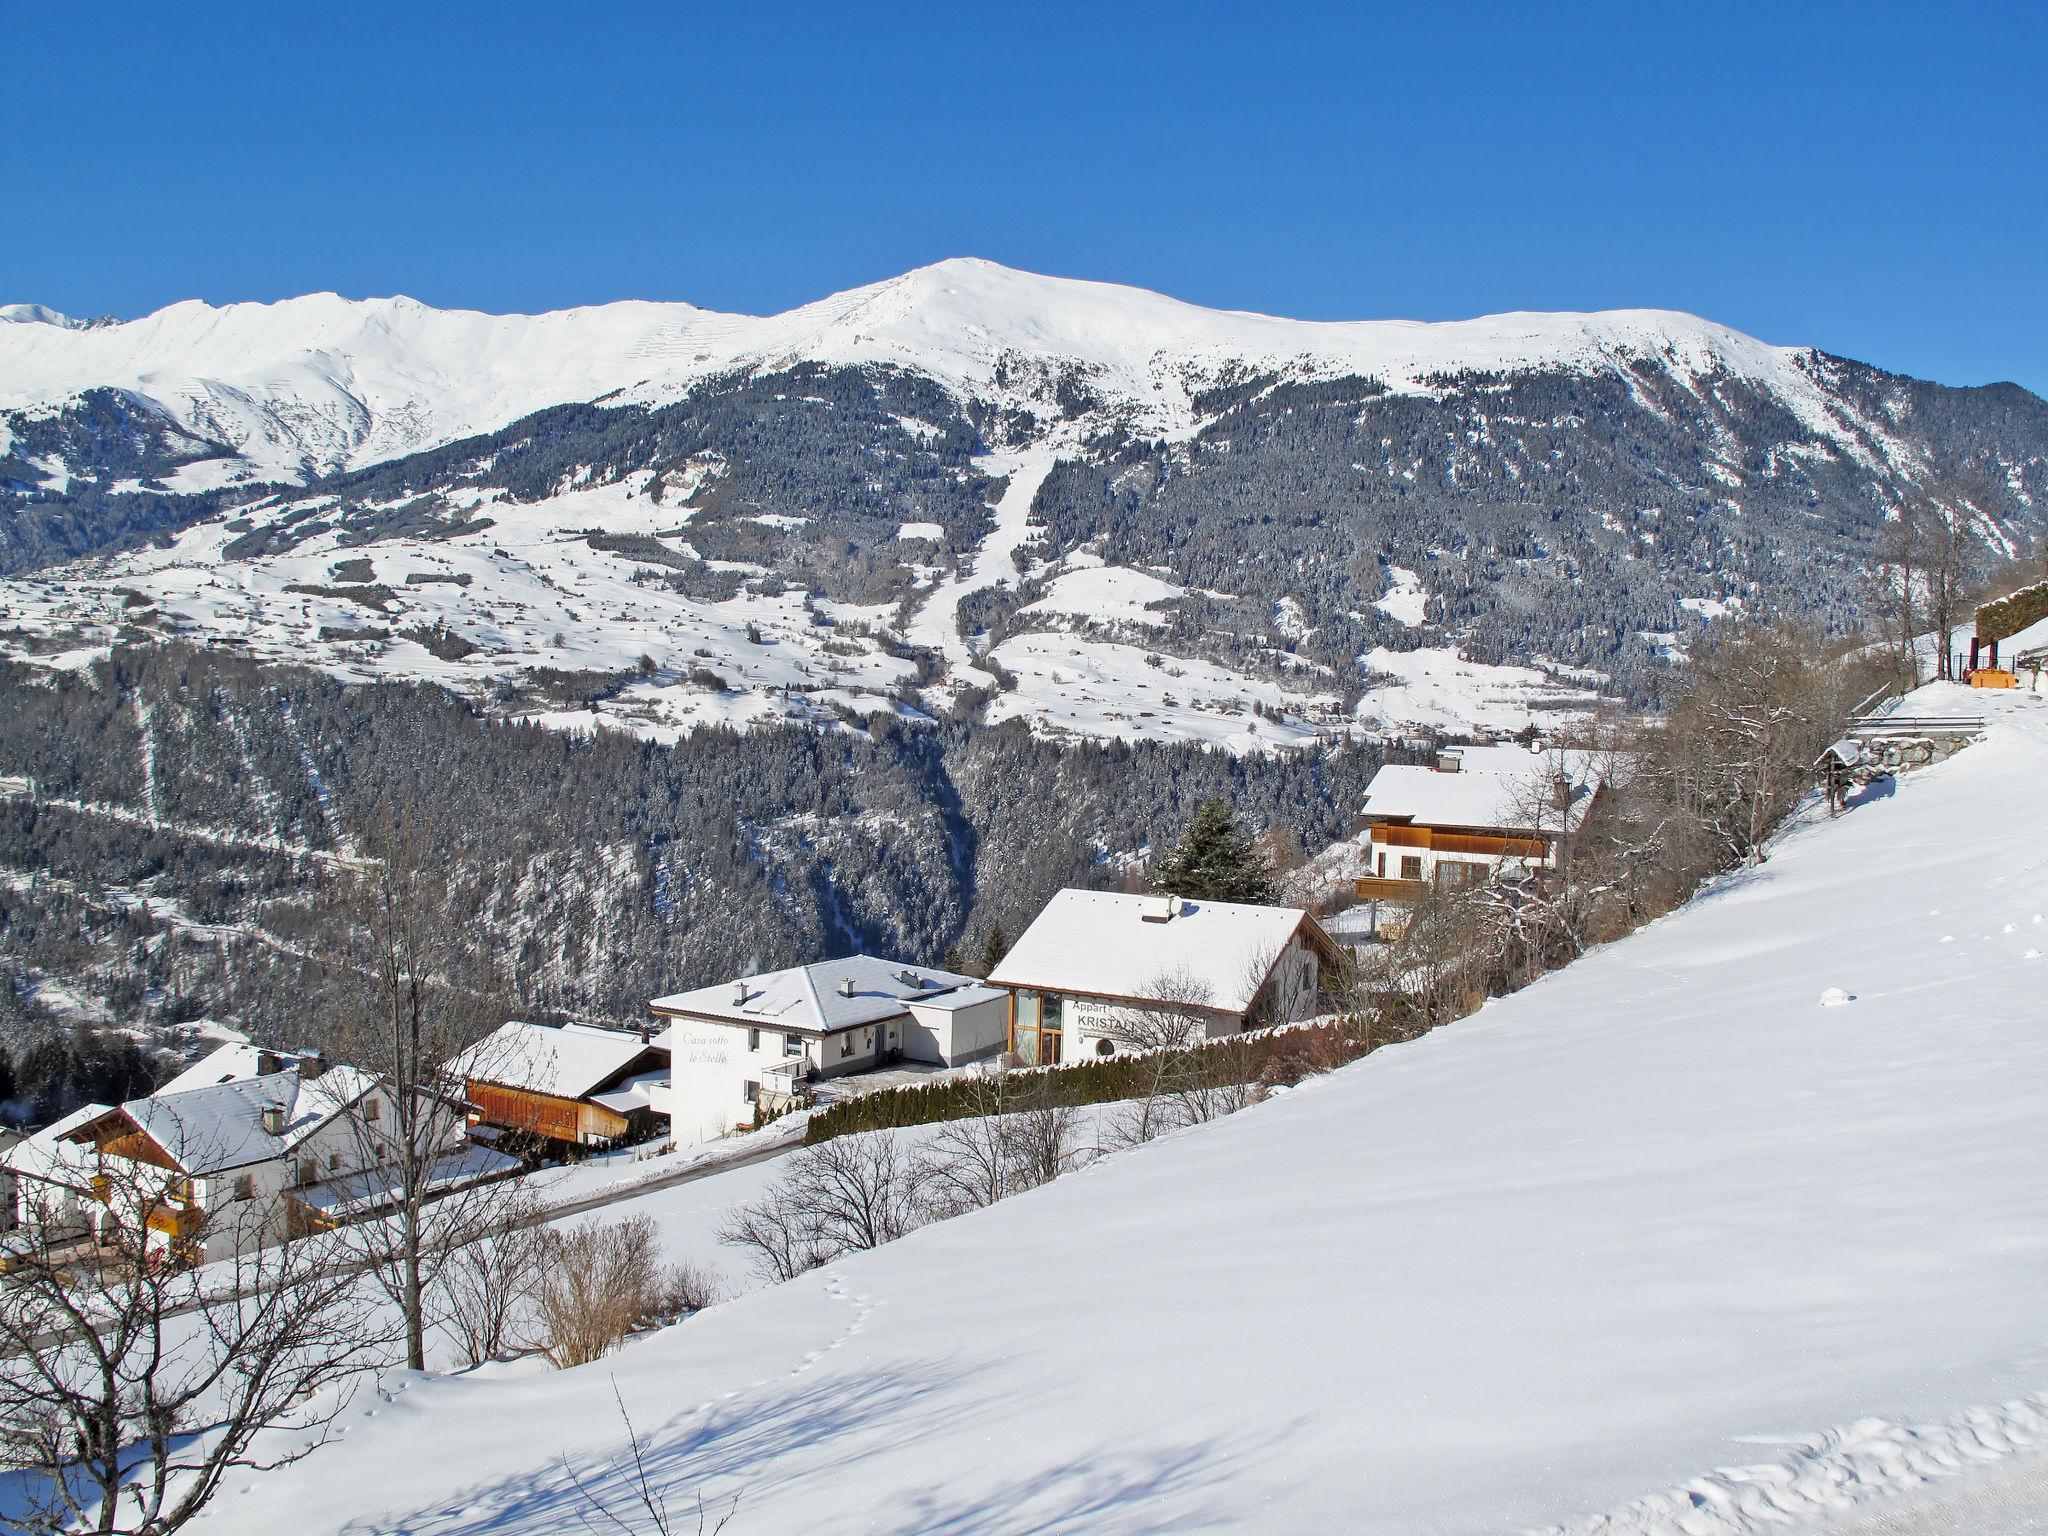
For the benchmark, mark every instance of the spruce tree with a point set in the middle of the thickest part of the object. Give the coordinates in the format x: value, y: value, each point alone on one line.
x: 1216, y: 860
x: 992, y: 952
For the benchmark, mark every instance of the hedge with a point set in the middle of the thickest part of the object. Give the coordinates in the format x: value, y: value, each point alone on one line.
x: 1282, y: 1055
x: 2009, y: 615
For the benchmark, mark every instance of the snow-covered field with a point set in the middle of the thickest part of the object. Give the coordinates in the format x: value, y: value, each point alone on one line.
x: 1660, y: 1244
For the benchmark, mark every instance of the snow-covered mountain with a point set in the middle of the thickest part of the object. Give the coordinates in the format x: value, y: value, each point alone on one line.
x: 320, y: 383
x: 969, y: 488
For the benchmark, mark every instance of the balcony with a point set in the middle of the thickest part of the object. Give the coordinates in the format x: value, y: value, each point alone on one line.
x: 1380, y: 888
x: 176, y: 1221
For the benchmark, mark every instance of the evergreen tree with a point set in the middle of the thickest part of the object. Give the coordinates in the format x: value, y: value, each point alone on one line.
x: 992, y: 952
x: 1216, y: 860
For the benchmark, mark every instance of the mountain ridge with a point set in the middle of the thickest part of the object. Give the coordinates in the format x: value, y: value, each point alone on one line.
x: 319, y: 383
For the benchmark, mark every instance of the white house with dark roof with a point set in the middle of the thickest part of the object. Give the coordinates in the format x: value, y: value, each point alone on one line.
x: 745, y: 1047
x: 1092, y: 959
x: 1472, y: 815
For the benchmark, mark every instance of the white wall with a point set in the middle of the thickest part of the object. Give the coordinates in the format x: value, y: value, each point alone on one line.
x: 950, y: 1036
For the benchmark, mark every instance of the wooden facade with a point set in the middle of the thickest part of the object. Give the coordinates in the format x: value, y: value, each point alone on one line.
x: 545, y: 1115
x: 1492, y: 845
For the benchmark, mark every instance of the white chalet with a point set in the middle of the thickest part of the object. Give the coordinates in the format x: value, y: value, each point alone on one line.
x: 744, y: 1048
x: 48, y: 1177
x: 1092, y: 957
x: 1476, y: 813
x: 242, y: 1150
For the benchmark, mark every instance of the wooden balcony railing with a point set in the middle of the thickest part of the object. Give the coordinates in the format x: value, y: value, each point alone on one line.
x: 1374, y: 888
x: 1493, y: 845
x: 178, y: 1221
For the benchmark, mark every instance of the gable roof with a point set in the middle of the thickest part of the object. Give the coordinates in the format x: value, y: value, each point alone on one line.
x: 568, y: 1061
x: 50, y: 1156
x: 1103, y: 944
x: 1495, y: 786
x: 808, y: 998
x: 219, y: 1126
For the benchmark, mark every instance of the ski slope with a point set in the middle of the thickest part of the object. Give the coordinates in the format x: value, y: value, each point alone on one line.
x: 1660, y: 1244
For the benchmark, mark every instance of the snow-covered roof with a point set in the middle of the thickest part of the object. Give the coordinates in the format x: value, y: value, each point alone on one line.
x: 1104, y: 944
x: 1494, y: 786
x: 48, y: 1156
x: 231, y: 1062
x: 219, y: 1126
x: 635, y: 1093
x: 958, y: 998
x: 566, y: 1061
x: 810, y: 997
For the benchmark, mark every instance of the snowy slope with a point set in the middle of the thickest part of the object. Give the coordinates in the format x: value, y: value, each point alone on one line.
x: 322, y: 382
x: 1663, y: 1213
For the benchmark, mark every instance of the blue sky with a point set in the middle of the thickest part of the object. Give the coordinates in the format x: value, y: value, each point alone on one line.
x: 1868, y: 178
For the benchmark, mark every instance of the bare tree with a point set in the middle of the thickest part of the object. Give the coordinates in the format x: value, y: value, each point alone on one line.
x: 1160, y: 1034
x: 1945, y: 546
x: 594, y: 1284
x: 851, y: 1192
x: 1897, y: 588
x: 1041, y: 1131
x: 777, y: 1232
x: 965, y: 1164
x: 862, y: 1190
x: 132, y: 1383
x: 1432, y: 971
x: 414, y: 994
x: 489, y: 1284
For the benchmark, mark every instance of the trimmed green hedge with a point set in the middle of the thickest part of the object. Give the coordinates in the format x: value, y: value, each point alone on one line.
x: 1279, y: 1056
x: 2009, y: 615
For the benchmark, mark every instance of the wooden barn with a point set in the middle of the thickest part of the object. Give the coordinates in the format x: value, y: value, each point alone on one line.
x: 573, y: 1084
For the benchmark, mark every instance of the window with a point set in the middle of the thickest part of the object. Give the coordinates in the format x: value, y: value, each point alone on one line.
x: 334, y: 1162
x: 1383, y: 866
x: 373, y: 1108
x: 1105, y: 1046
x: 792, y: 1045
x: 1459, y: 874
x: 846, y: 1045
x: 752, y: 1090
x: 1411, y: 866
x: 245, y: 1186
x: 753, y: 1038
x: 309, y: 1171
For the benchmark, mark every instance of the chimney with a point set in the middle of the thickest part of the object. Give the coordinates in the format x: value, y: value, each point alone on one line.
x: 911, y: 979
x: 1449, y: 761
x: 645, y: 1034
x: 311, y: 1064
x: 846, y: 986
x: 1159, y: 909
x: 268, y: 1061
x: 739, y: 994
x: 273, y: 1119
